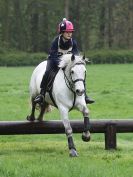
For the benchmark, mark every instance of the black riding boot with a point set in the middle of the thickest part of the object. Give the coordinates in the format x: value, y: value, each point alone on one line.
x: 48, y: 77
x: 88, y: 100
x: 40, y: 98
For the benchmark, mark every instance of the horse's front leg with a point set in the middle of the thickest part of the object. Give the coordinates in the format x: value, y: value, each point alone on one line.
x: 86, y: 132
x: 85, y: 111
x: 68, y: 130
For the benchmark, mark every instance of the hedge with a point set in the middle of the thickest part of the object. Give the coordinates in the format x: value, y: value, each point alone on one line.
x: 21, y: 58
x: 18, y: 58
x: 110, y: 56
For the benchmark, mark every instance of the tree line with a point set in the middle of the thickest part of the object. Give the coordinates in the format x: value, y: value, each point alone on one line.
x: 31, y: 25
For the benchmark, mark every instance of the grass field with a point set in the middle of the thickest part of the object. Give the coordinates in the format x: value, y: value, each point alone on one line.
x: 47, y: 155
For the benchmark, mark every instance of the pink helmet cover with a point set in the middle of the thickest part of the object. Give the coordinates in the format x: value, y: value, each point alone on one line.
x: 66, y: 25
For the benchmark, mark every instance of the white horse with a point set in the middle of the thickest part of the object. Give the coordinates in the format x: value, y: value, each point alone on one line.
x: 68, y: 92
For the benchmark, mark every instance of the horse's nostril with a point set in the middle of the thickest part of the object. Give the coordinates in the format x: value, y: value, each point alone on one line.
x: 80, y: 92
x: 77, y: 91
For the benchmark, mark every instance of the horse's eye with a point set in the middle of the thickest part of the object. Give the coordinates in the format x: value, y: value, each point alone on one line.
x: 72, y: 72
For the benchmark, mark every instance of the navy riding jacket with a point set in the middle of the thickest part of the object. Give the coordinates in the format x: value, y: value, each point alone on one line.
x: 57, y: 43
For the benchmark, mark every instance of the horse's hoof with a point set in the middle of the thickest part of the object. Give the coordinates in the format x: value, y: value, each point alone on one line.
x: 73, y: 153
x: 86, y: 136
x: 29, y: 118
x: 40, y: 120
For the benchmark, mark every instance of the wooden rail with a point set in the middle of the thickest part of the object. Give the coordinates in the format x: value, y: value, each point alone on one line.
x: 109, y: 127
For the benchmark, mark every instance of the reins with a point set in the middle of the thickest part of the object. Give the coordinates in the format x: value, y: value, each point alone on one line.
x: 70, y: 85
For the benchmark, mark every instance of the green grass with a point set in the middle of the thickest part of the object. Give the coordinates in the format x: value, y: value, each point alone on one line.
x: 47, y: 155
x: 45, y: 159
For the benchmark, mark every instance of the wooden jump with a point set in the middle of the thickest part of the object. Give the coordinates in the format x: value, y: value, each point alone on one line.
x: 109, y: 127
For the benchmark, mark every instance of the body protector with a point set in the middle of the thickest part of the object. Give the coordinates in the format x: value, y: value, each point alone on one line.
x: 64, y: 47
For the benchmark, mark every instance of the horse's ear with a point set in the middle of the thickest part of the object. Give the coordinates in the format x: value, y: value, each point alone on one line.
x: 84, y: 56
x: 72, y: 57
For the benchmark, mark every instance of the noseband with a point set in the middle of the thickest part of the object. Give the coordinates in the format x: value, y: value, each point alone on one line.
x: 77, y: 80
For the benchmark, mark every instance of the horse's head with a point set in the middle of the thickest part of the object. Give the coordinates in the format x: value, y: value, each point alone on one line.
x: 75, y: 72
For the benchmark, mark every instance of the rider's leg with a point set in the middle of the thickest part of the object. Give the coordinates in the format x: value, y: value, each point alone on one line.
x: 88, y: 99
x: 41, y: 96
x: 47, y: 79
x: 43, y: 85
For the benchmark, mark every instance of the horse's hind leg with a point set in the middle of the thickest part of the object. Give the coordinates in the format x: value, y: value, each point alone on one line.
x: 31, y: 117
x: 43, y: 107
x: 68, y: 130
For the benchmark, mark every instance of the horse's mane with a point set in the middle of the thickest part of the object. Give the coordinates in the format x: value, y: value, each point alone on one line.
x: 65, y: 60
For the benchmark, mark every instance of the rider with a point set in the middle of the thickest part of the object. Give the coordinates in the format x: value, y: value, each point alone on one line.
x: 62, y: 44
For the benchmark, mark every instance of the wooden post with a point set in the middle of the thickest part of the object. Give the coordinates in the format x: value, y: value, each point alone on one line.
x: 110, y: 136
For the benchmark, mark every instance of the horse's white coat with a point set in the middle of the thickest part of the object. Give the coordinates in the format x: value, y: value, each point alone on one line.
x: 62, y: 95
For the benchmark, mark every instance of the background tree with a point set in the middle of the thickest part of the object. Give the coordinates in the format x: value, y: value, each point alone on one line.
x: 67, y: 9
x: 30, y: 25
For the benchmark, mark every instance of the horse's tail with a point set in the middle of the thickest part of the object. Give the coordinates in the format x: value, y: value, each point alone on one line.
x: 48, y: 108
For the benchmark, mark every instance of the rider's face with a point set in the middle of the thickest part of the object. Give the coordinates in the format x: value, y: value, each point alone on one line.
x: 67, y: 35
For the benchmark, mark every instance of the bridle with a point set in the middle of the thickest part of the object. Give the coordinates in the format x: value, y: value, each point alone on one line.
x: 80, y: 79
x: 70, y: 84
